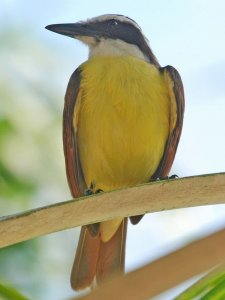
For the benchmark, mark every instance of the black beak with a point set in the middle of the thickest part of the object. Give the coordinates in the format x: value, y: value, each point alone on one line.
x: 73, y: 29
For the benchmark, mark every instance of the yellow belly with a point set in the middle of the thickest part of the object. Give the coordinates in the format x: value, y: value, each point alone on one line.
x: 122, y: 121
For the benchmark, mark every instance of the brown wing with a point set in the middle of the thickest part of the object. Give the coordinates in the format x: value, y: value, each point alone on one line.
x: 85, y: 263
x: 176, y: 93
x: 73, y: 169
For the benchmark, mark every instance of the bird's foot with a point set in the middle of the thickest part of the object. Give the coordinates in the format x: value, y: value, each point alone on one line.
x: 93, y: 228
x: 99, y: 191
x: 174, y: 176
x: 89, y: 191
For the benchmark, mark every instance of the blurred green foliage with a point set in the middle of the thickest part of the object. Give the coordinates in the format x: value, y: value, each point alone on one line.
x: 9, y: 293
x: 10, y: 184
x: 30, y: 119
x: 210, y: 287
x: 31, y: 156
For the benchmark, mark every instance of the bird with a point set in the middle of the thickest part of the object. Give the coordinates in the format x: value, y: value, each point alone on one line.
x: 122, y: 121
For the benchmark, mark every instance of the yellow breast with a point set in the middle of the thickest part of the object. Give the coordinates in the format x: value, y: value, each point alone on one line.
x: 122, y: 120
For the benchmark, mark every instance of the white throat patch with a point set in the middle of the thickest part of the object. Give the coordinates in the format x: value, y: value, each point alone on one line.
x: 111, y: 47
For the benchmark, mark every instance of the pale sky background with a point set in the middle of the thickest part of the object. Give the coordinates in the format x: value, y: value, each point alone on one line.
x: 189, y: 35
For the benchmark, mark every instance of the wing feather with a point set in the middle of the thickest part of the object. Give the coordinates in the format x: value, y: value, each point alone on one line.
x: 177, y: 104
x: 73, y: 168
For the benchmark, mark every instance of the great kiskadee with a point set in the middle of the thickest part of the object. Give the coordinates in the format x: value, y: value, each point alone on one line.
x: 122, y: 122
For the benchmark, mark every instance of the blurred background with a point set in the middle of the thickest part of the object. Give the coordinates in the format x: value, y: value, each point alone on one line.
x: 35, y: 66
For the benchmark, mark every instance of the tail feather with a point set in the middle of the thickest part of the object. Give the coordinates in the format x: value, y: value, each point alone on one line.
x: 96, y: 259
x: 111, y: 258
x: 85, y: 263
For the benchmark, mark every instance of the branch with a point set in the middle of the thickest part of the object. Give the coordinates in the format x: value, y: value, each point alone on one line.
x: 166, y: 272
x: 152, y: 197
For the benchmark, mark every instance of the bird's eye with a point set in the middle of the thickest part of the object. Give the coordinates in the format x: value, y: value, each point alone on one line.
x: 112, y: 26
x: 114, y: 23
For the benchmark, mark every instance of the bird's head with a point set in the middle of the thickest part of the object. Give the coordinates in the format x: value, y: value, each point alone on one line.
x: 109, y: 35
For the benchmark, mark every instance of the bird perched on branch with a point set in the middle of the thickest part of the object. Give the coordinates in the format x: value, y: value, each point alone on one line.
x: 122, y: 122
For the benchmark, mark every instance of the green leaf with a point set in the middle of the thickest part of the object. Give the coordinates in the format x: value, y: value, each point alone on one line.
x: 217, y: 293
x: 212, y: 286
x: 9, y: 293
x: 6, y: 127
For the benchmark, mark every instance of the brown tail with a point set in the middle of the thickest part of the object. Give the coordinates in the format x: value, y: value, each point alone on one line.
x: 96, y: 259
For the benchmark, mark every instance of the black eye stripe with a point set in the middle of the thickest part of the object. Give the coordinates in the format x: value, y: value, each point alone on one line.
x: 115, y: 22
x: 124, y: 31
